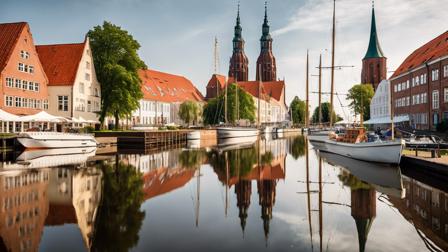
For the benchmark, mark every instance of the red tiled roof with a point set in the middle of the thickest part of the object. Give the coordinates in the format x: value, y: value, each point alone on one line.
x: 166, y: 87
x: 60, y: 62
x: 272, y: 89
x: 217, y: 78
x: 60, y: 214
x: 164, y: 180
x: 434, y: 49
x: 9, y: 35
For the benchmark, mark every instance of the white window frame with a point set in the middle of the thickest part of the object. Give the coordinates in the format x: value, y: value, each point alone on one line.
x: 63, y: 103
x: 435, y: 75
x: 445, y: 71
x: 81, y: 88
x: 445, y: 94
x: 36, y: 87
x: 9, y: 82
x: 435, y: 99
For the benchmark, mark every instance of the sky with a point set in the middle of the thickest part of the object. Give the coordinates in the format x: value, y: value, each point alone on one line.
x: 177, y: 36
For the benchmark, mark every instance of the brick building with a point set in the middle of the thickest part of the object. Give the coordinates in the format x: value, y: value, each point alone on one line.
x: 420, y: 85
x: 273, y: 106
x: 374, y: 68
x: 23, y: 82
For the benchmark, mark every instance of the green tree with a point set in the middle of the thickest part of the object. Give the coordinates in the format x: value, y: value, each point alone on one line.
x: 189, y: 112
x: 119, y: 217
x: 297, y: 147
x: 214, y: 109
x: 298, y: 108
x: 116, y: 64
x: 360, y: 96
x: 325, y: 114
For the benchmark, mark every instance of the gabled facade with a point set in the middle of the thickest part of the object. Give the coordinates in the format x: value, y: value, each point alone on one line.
x: 380, y: 104
x: 74, y: 91
x: 374, y: 68
x: 215, y: 86
x: 23, y: 82
x: 162, y: 95
x: 419, y: 86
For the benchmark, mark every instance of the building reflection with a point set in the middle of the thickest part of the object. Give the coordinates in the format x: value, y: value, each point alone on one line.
x: 426, y: 207
x: 74, y: 196
x: 363, y: 205
x: 264, y: 163
x: 24, y: 206
x: 165, y: 171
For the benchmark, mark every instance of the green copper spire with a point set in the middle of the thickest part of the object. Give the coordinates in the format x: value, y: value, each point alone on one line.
x: 238, y: 29
x: 374, y: 50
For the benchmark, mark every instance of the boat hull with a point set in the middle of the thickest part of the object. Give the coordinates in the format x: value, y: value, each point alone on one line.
x: 236, y: 132
x: 194, y: 135
x: 50, y: 140
x: 387, y: 152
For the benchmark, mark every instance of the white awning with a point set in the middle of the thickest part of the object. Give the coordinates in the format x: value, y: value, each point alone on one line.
x: 42, y: 117
x: 5, y: 116
x: 385, y: 120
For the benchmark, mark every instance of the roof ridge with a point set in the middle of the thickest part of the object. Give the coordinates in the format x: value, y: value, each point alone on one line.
x: 10, y: 23
x: 64, y: 44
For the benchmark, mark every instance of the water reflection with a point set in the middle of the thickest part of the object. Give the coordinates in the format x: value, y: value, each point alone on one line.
x: 108, y: 200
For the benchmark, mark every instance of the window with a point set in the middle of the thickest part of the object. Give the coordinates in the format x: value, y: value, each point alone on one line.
x: 435, y: 99
x: 424, y: 97
x: 96, y: 92
x: 445, y: 71
x: 31, y: 69
x: 9, y: 101
x: 417, y: 81
x: 445, y: 94
x: 81, y: 88
x: 25, y: 85
x: 395, y: 88
x: 435, y: 75
x: 63, y: 103
x: 36, y: 86
x: 18, y: 83
x: 18, y: 102
x: 21, y: 67
x: 413, y: 82
x: 24, y: 54
x: 87, y: 77
x: 38, y: 104
x: 399, y: 87
x: 89, y: 106
x: 408, y: 100
x: 45, y: 104
x: 407, y: 84
x: 31, y: 86
x: 9, y: 82
x: 87, y: 65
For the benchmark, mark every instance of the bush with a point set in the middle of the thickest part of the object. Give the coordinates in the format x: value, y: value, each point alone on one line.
x: 87, y: 129
x: 171, y: 127
x: 442, y: 126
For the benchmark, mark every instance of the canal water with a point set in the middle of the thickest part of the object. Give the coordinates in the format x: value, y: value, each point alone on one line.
x: 271, y: 195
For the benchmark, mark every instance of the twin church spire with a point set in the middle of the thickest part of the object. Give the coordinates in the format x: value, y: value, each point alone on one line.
x: 239, y: 63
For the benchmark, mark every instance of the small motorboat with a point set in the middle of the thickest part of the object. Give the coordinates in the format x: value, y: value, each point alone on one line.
x: 425, y: 142
x: 194, y: 135
x: 49, y: 140
x: 353, y: 143
x: 236, y: 132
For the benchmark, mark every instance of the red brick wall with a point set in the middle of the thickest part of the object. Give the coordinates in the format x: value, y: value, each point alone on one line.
x: 373, y: 71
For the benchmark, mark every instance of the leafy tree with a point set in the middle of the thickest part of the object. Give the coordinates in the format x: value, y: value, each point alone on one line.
x: 191, y: 159
x: 298, y: 108
x: 119, y: 217
x: 214, y: 109
x: 325, y: 114
x: 189, y: 112
x: 360, y: 96
x: 297, y: 147
x: 116, y: 64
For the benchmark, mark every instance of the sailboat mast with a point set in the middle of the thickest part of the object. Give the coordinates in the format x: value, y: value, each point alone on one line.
x: 320, y: 90
x: 259, y: 95
x: 308, y: 191
x: 332, y: 62
x: 227, y: 184
x: 320, y: 204
x: 225, y: 103
x: 307, y: 116
x: 198, y: 194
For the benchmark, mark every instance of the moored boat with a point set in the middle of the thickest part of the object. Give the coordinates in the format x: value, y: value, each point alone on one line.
x: 49, y: 140
x: 236, y: 132
x: 194, y: 135
x: 381, y: 152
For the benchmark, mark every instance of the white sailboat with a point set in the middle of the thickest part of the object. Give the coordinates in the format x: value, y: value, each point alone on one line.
x: 49, y: 140
x: 353, y: 143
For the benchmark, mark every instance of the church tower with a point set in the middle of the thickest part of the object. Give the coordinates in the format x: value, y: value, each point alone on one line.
x: 266, y: 60
x: 374, y: 62
x: 239, y: 64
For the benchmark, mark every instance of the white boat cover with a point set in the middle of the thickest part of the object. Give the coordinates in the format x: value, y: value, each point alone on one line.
x: 384, y: 120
